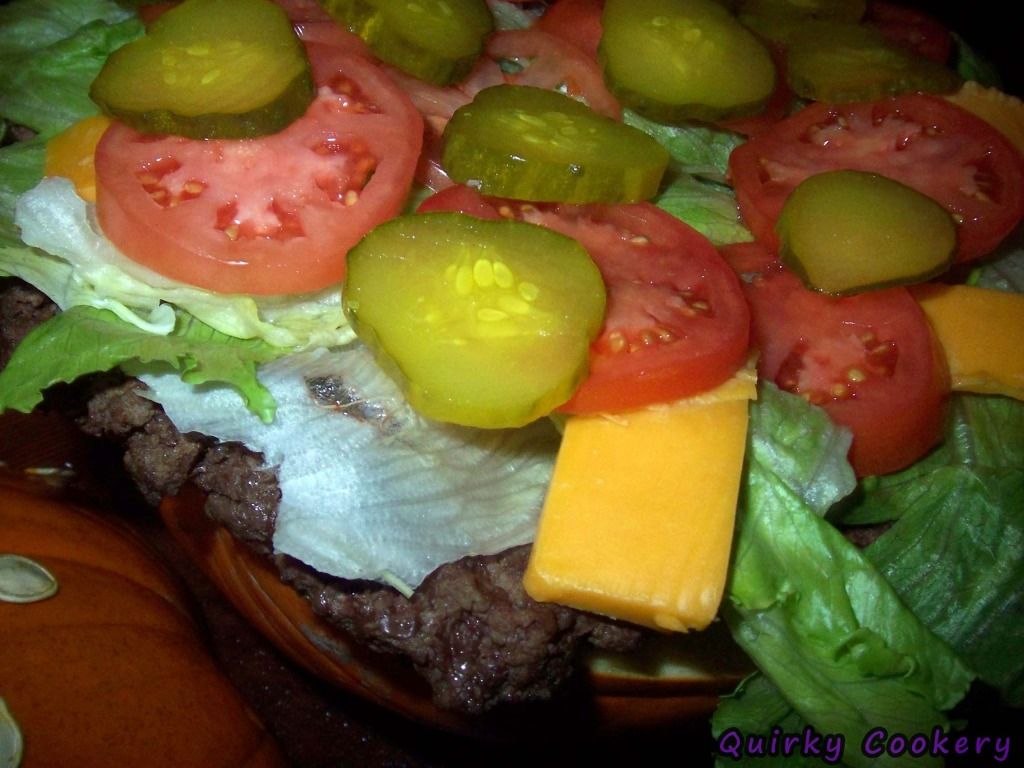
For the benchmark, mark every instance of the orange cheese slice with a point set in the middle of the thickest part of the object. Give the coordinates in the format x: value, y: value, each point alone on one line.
x: 70, y: 154
x: 638, y: 520
x: 982, y: 333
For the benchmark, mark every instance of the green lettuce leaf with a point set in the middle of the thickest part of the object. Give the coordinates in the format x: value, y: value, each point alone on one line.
x: 971, y: 65
x: 813, y: 612
x: 50, y: 52
x: 698, y: 150
x: 707, y: 207
x: 757, y: 707
x: 21, y: 168
x: 85, y: 340
x: 956, y: 558
x: 983, y: 434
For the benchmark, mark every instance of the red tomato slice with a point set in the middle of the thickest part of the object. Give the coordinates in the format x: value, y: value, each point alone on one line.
x: 273, y: 215
x: 676, y: 322
x: 551, y: 62
x: 871, y: 360
x: 576, y: 21
x: 911, y: 28
x: 922, y: 141
x: 437, y: 104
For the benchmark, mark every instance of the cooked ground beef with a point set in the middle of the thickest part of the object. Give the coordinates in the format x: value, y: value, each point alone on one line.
x: 470, y: 629
x: 22, y: 308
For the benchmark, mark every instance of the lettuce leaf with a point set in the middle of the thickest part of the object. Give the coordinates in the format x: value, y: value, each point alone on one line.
x: 707, y: 207
x: 695, y: 149
x: 21, y: 168
x: 50, y: 52
x: 85, y: 340
x: 812, y: 611
x: 956, y: 558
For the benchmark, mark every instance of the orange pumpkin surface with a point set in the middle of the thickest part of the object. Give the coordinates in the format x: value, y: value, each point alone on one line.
x: 113, y: 669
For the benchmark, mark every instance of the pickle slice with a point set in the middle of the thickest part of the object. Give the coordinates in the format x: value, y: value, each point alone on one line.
x: 533, y: 144
x: 840, y: 62
x: 850, y: 231
x: 210, y: 69
x: 679, y: 60
x: 434, y: 40
x: 833, y: 10
x: 482, y: 323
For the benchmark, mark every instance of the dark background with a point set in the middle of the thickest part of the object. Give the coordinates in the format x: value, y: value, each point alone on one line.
x: 989, y: 27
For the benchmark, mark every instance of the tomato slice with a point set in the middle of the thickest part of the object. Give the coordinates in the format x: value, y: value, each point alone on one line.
x: 576, y: 21
x: 911, y: 28
x: 922, y: 141
x: 871, y: 360
x: 273, y: 215
x: 676, y: 321
x: 550, y: 62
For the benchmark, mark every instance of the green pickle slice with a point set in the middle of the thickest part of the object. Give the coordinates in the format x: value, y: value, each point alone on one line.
x: 482, y: 323
x: 679, y: 60
x: 534, y: 144
x: 849, y: 231
x: 210, y: 69
x: 434, y: 40
x: 838, y: 62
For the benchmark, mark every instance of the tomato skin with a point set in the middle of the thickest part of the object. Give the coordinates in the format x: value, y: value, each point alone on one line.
x: 274, y: 215
x: 922, y: 141
x: 870, y: 360
x: 553, y: 62
x: 911, y: 28
x: 577, y: 21
x: 677, y: 323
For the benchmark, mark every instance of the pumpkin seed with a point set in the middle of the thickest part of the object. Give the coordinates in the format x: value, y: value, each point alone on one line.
x: 24, y: 581
x: 10, y: 739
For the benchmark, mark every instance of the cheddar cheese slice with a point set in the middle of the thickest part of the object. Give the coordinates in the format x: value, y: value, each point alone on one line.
x: 638, y: 519
x: 982, y: 333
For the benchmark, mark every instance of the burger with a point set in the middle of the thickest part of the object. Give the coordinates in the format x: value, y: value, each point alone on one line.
x: 404, y: 516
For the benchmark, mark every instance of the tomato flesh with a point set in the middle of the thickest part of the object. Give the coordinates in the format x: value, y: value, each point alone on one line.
x: 577, y: 21
x: 676, y: 322
x: 870, y: 360
x: 274, y: 215
x: 925, y: 142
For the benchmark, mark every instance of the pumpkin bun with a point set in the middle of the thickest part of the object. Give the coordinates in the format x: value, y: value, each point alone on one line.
x: 103, y: 663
